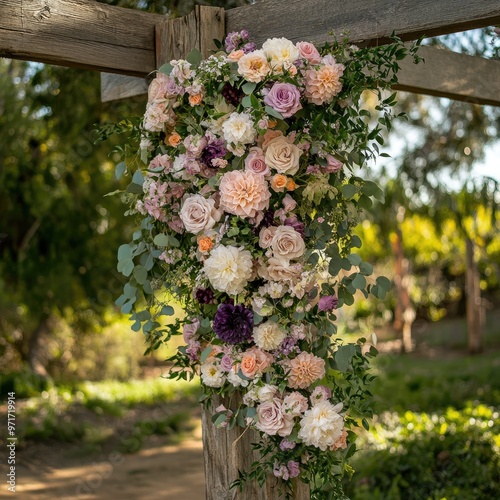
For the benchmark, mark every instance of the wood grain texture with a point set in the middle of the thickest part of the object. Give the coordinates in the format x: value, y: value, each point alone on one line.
x: 175, y: 38
x: 115, y: 87
x: 79, y: 33
x: 368, y: 21
x: 452, y: 75
x: 225, y: 453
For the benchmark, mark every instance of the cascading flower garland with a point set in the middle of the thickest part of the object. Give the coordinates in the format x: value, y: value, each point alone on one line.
x: 248, y: 201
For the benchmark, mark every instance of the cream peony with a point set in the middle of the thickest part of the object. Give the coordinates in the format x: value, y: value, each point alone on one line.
x: 228, y: 269
x: 253, y: 66
x: 199, y: 214
x: 287, y: 243
x: 239, y: 129
x: 281, y: 52
x: 268, y: 335
x: 243, y: 193
x: 322, y: 425
x: 283, y: 156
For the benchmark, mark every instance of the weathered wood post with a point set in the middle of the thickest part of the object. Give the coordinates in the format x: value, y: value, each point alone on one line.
x: 225, y: 452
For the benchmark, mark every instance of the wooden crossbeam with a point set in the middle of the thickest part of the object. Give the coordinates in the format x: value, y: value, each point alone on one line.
x: 444, y: 74
x: 367, y: 21
x: 96, y: 36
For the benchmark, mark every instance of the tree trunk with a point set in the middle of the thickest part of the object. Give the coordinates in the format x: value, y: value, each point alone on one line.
x: 404, y: 315
x: 34, y: 355
x: 226, y: 452
x: 473, y: 296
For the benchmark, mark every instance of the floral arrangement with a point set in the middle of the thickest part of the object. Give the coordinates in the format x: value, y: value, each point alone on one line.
x: 247, y: 200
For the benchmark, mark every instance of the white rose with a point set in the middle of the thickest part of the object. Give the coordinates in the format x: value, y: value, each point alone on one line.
x: 279, y: 269
x: 229, y: 268
x: 282, y: 53
x: 269, y: 335
x: 283, y: 156
x: 199, y: 214
x: 239, y: 129
x: 287, y: 243
x: 266, y: 393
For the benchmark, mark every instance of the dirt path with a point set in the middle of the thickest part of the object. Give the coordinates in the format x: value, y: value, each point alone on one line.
x: 163, y: 472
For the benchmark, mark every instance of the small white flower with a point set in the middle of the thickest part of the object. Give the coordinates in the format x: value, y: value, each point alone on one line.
x: 266, y: 393
x: 211, y: 375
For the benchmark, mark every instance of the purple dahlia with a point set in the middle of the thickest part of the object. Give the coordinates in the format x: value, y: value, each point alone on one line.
x: 233, y: 324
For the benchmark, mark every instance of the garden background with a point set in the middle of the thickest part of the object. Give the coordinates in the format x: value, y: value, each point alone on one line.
x: 94, y: 416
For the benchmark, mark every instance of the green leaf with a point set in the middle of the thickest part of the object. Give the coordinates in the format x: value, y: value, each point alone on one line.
x: 348, y: 191
x: 138, y: 178
x: 166, y: 69
x: 174, y: 241
x: 355, y: 259
x: 140, y: 274
x: 366, y: 268
x: 206, y: 352
x: 167, y: 311
x: 359, y: 281
x: 249, y: 87
x: 246, y: 102
x: 272, y: 112
x: 194, y: 57
x: 384, y: 283
x: 344, y: 355
x: 120, y: 170
x: 161, y: 240
x: 125, y: 252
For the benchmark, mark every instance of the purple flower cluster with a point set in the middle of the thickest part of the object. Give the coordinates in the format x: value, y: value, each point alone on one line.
x: 300, y: 227
x: 212, y: 151
x: 233, y: 324
x: 204, y: 295
x: 239, y: 41
x: 328, y: 303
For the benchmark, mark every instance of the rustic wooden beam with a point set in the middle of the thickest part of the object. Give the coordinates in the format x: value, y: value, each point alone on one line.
x: 79, y: 33
x: 455, y: 76
x: 92, y: 35
x: 367, y: 21
x: 444, y: 74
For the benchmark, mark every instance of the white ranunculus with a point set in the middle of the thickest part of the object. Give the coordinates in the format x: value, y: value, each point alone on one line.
x: 239, y: 129
x: 268, y: 335
x: 281, y: 52
x: 322, y: 425
x: 199, y: 214
x: 228, y: 269
x: 211, y: 375
x: 287, y: 243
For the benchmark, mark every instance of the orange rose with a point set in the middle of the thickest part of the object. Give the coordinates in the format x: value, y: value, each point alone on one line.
x: 174, y: 139
x: 272, y: 123
x: 279, y: 182
x: 249, y: 365
x: 290, y: 185
x: 205, y: 244
x: 235, y: 55
x: 195, y: 100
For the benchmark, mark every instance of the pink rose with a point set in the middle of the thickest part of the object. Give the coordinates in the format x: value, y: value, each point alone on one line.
x: 334, y: 165
x: 289, y: 203
x: 272, y: 419
x: 309, y: 52
x: 284, y: 98
x: 255, y: 162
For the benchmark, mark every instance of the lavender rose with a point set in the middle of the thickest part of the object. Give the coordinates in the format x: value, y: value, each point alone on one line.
x: 284, y: 98
x: 272, y: 420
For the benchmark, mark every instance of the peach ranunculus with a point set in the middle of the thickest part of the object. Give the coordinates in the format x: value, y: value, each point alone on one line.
x: 323, y: 84
x: 305, y: 369
x: 174, y: 139
x: 195, y: 100
x: 283, y: 156
x: 254, y: 362
x: 243, y: 193
x: 287, y: 243
x: 205, y: 244
x: 279, y: 182
x: 309, y: 52
x: 254, y: 66
x: 235, y: 55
